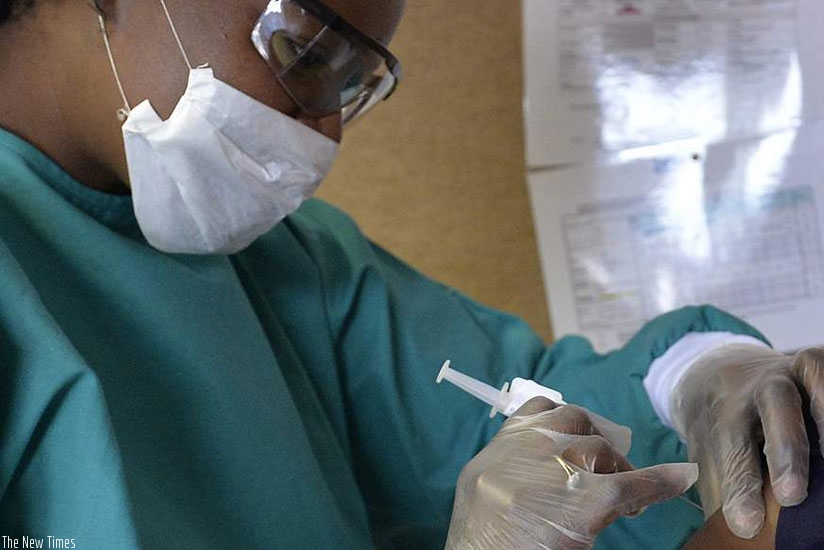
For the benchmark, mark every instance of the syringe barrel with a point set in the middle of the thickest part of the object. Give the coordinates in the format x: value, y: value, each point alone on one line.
x: 484, y: 392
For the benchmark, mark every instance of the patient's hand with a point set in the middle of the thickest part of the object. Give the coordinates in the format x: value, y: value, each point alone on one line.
x: 716, y: 536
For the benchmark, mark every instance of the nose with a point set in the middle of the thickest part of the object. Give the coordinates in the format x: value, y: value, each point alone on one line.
x: 331, y: 126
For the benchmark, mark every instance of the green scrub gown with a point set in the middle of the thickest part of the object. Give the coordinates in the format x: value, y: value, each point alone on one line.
x: 280, y: 398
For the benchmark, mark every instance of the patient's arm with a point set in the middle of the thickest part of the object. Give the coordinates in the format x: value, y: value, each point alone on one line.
x: 716, y: 536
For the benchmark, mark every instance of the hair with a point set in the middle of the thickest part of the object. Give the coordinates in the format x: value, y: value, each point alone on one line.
x: 5, y: 10
x: 10, y: 9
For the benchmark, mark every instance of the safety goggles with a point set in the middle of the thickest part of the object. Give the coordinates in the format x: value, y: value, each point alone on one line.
x: 324, y: 63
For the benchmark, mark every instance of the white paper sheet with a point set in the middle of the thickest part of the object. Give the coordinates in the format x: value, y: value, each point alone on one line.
x: 738, y: 225
x: 607, y: 75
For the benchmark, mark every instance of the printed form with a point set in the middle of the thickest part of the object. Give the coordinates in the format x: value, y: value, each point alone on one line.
x: 608, y: 75
x: 737, y: 225
x: 676, y: 157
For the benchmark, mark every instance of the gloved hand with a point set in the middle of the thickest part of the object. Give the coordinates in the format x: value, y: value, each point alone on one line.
x: 722, y: 406
x: 551, y: 479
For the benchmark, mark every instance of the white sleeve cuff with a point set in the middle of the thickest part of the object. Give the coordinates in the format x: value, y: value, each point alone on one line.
x: 666, y: 371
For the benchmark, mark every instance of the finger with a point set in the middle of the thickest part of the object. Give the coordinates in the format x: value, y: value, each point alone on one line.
x: 631, y: 491
x: 701, y: 450
x: 527, y: 416
x: 619, y: 436
x: 709, y: 483
x: 809, y: 370
x: 534, y: 406
x: 737, y: 458
x: 785, y: 440
x: 563, y: 419
x: 569, y: 419
x: 595, y: 454
x: 562, y: 424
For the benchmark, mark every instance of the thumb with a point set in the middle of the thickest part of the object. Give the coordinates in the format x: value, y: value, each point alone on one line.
x: 639, y: 488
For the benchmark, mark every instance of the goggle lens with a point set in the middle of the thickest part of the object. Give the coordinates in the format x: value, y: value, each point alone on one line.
x: 323, y: 70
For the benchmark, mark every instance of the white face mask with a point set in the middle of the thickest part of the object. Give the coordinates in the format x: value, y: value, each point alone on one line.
x: 221, y: 171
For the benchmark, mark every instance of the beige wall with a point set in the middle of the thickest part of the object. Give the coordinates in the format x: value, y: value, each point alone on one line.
x: 436, y: 174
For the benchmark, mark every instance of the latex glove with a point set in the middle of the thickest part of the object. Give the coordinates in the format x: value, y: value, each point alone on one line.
x: 721, y: 408
x: 549, y: 479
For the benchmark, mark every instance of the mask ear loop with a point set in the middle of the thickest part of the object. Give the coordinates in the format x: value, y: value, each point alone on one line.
x: 123, y: 112
x: 177, y: 37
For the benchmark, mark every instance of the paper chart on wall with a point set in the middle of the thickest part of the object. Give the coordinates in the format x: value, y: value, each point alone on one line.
x: 738, y: 225
x: 607, y: 75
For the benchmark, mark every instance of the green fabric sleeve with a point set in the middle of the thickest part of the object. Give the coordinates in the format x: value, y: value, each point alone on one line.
x: 394, y: 328
x: 55, y: 470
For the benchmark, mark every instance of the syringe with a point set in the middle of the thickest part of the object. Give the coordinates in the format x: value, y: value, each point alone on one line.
x: 508, y: 399
x: 513, y: 394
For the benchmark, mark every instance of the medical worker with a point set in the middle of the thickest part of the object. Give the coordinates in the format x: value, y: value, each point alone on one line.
x: 194, y: 355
